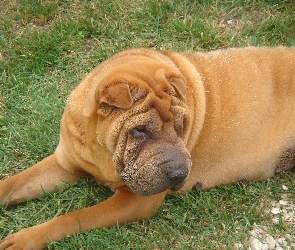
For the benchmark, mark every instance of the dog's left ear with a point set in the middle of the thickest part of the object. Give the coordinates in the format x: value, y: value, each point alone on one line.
x: 179, y: 83
x: 116, y: 94
x: 174, y: 78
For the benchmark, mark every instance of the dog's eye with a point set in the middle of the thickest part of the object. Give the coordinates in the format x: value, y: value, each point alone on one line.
x: 139, y: 132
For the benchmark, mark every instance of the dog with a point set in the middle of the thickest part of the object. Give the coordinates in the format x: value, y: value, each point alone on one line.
x: 146, y: 123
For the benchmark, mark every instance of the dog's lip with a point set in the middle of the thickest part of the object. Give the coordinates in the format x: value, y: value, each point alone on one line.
x: 177, y: 187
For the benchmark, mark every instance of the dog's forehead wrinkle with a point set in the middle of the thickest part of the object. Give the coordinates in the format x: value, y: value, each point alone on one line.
x: 154, y: 74
x: 162, y: 104
x: 149, y: 119
x: 152, y: 84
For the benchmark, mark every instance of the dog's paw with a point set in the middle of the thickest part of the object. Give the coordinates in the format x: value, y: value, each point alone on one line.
x: 29, y: 238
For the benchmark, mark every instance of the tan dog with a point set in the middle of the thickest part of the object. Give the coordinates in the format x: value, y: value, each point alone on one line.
x: 146, y: 123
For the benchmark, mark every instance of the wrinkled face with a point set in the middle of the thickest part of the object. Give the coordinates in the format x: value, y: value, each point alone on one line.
x: 143, y: 120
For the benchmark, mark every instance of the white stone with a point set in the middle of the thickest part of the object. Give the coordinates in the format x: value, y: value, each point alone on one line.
x: 288, y: 216
x: 290, y: 237
x: 285, y: 188
x: 284, y: 203
x: 282, y: 242
x: 255, y: 245
x: 269, y: 239
x: 238, y: 246
x: 272, y: 245
x: 284, y: 196
x: 276, y: 221
x: 275, y: 210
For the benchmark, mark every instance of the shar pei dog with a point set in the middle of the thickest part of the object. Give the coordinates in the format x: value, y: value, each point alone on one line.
x: 147, y: 123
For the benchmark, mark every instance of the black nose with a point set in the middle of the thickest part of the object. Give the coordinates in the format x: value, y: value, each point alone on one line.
x: 177, y: 176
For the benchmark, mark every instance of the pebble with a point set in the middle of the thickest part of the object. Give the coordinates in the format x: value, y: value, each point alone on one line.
x: 285, y: 188
x: 275, y: 221
x: 272, y: 244
x: 238, y: 246
x: 255, y: 244
x: 283, y: 203
x: 290, y: 237
x: 264, y: 247
x: 275, y: 210
x: 282, y: 242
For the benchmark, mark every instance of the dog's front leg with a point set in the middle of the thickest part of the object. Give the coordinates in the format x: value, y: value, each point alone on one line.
x: 47, y: 175
x: 123, y: 207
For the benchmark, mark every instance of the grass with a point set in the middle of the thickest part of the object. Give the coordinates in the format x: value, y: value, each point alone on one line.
x: 48, y: 46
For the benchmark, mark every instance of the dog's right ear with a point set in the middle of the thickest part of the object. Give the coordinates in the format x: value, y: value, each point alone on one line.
x: 114, y: 95
x: 118, y: 95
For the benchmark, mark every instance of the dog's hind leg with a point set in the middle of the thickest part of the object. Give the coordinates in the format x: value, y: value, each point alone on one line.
x: 47, y: 175
x: 287, y: 161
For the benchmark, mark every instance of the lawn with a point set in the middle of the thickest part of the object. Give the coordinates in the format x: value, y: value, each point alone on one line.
x: 48, y: 46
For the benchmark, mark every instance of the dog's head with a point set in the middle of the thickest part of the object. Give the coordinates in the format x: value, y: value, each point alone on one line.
x: 143, y: 119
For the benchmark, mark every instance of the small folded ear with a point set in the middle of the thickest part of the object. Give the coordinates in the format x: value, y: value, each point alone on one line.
x: 117, y: 94
x: 179, y: 84
x: 174, y: 78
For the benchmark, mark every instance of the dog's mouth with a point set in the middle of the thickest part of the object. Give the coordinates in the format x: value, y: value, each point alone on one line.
x: 146, y: 182
x: 157, y: 174
x: 177, y: 187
